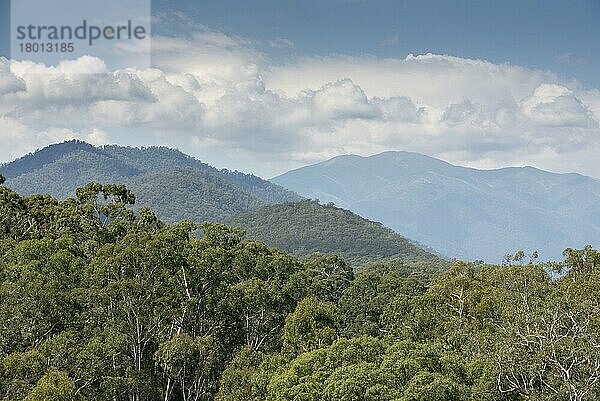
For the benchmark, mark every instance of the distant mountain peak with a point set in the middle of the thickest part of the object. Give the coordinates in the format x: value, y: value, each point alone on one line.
x: 460, y: 211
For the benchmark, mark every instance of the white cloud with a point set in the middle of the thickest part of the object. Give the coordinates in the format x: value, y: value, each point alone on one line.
x: 217, y: 97
x: 556, y: 106
x: 434, y: 80
x: 399, y: 108
x: 341, y: 100
x: 9, y: 83
x: 75, y: 83
x: 17, y: 139
x: 465, y: 113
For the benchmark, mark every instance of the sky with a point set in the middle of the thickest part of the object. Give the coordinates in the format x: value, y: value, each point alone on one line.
x: 270, y: 85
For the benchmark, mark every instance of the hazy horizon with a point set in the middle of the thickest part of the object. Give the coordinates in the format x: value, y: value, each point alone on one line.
x: 310, y: 164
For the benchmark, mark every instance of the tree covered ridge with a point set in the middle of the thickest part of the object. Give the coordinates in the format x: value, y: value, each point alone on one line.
x: 306, y: 227
x: 158, y: 175
x: 100, y: 302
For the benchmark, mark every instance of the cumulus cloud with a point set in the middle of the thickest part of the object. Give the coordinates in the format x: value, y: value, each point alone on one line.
x: 217, y: 97
x: 85, y: 80
x: 9, y: 83
x: 399, y: 109
x: 555, y: 106
x: 434, y: 80
x: 464, y: 113
x: 341, y: 100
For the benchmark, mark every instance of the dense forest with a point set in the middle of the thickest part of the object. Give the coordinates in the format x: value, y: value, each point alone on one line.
x: 307, y: 227
x: 101, y: 302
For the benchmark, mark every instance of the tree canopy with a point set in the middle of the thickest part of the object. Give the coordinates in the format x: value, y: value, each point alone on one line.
x: 100, y: 301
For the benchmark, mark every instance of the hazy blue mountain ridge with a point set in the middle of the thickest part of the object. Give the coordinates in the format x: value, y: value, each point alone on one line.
x: 461, y: 212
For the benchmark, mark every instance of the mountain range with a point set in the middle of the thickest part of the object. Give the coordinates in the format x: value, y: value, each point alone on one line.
x: 177, y: 187
x: 461, y: 212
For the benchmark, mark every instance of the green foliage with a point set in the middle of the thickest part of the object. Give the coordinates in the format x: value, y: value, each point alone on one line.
x: 326, y: 277
x: 376, y: 286
x: 309, y: 327
x: 426, y: 386
x: 248, y: 375
x: 365, y: 368
x: 53, y: 386
x: 306, y: 227
x: 100, y: 302
x: 127, y: 306
x: 190, y: 363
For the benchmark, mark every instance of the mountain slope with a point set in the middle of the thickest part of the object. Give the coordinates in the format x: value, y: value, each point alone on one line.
x: 307, y: 227
x: 189, y: 194
x: 177, y: 186
x: 461, y: 212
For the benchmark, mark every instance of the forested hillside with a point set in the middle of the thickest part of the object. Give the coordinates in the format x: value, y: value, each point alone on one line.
x: 306, y: 227
x: 98, y: 302
x: 460, y: 212
x: 177, y: 186
x: 180, y: 187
